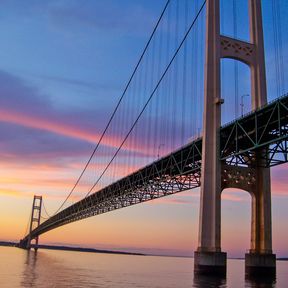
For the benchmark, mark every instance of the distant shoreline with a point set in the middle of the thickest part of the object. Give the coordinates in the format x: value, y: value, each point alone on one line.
x: 69, y: 248
x: 93, y: 250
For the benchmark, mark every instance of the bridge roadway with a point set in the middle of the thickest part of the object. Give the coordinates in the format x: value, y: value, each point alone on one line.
x: 265, y: 130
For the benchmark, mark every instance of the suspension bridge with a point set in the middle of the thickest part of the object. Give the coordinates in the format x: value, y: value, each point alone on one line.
x: 173, y: 100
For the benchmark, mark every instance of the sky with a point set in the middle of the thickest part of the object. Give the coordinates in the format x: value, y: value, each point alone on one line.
x: 64, y: 65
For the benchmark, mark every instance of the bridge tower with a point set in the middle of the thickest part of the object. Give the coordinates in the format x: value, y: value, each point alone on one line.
x: 34, y: 222
x: 209, y: 258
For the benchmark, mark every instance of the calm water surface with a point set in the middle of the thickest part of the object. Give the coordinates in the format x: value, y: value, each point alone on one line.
x: 19, y: 268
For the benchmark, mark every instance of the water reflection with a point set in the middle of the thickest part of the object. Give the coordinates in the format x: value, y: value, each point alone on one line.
x: 42, y: 270
x: 260, y: 282
x: 46, y: 269
x: 204, y: 281
x: 29, y: 273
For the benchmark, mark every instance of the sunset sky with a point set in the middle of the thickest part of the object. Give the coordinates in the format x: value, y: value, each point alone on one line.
x: 63, y: 66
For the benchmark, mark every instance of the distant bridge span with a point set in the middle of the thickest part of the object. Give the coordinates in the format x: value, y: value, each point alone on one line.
x: 265, y: 128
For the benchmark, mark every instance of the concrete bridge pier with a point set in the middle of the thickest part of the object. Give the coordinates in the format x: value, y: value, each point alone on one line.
x: 260, y: 265
x: 23, y: 244
x: 210, y: 263
x: 260, y: 261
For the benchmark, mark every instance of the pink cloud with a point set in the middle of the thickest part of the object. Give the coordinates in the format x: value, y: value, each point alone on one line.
x: 279, y: 177
x: 51, y: 126
x: 174, y: 201
x: 231, y: 197
x: 36, y: 122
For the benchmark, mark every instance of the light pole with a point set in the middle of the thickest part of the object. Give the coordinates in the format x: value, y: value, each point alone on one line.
x: 242, y: 104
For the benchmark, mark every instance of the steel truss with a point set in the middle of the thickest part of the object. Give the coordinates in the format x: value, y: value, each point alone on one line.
x: 174, y: 173
x: 264, y: 130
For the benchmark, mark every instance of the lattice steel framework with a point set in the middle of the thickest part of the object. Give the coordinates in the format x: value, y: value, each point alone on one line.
x: 265, y: 128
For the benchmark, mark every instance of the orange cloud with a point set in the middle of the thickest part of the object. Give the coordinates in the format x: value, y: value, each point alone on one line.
x: 14, y: 193
x: 51, y: 182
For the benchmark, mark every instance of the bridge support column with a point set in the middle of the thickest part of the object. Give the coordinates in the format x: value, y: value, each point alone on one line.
x: 208, y: 259
x: 35, y: 220
x: 260, y: 260
x: 256, y: 181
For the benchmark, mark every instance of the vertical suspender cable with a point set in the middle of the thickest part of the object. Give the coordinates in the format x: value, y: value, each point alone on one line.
x: 151, y: 95
x: 184, y: 87
x: 117, y: 106
x: 236, y: 68
x: 276, y: 48
x: 280, y: 41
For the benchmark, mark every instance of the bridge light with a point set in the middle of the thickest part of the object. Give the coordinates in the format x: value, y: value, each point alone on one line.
x: 219, y: 101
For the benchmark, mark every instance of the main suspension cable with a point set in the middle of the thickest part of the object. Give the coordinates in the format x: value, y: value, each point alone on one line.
x: 117, y: 106
x: 150, y: 97
x: 45, y: 210
x: 27, y: 226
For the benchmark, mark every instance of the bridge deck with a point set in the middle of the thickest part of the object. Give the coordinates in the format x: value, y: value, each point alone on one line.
x: 265, y: 128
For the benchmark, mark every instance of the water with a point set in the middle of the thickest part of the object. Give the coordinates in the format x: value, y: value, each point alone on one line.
x: 47, y: 268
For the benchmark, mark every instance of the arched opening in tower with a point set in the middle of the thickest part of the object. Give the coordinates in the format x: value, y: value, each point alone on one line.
x: 235, y: 222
